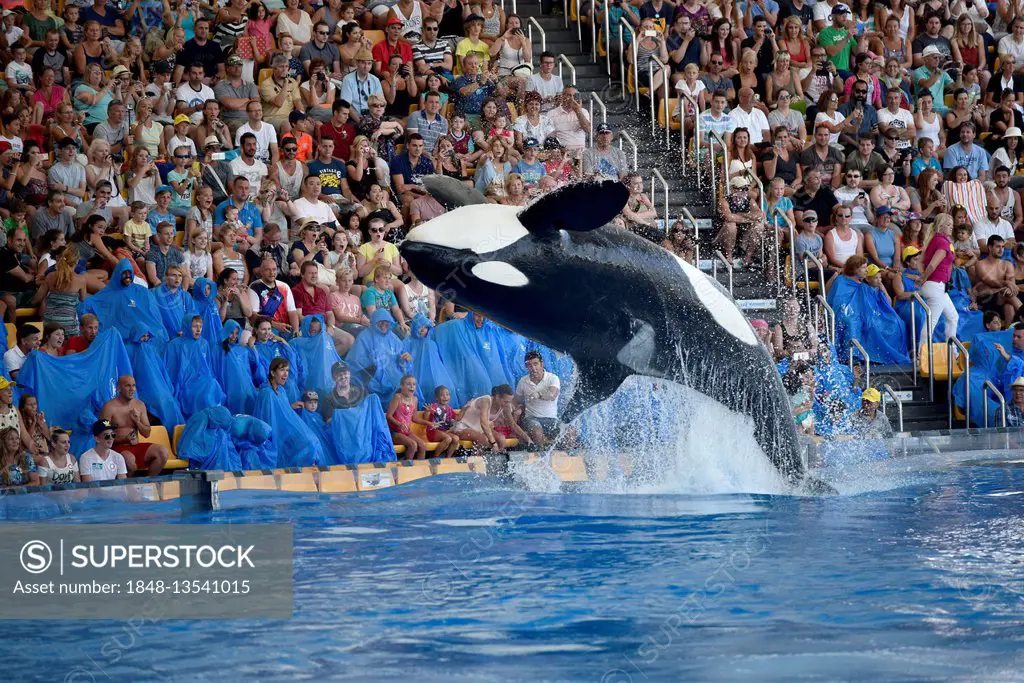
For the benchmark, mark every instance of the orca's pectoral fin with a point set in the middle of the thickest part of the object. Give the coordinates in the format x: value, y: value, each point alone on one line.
x: 816, y: 487
x: 451, y: 193
x: 581, y: 207
x: 597, y: 380
x: 640, y: 351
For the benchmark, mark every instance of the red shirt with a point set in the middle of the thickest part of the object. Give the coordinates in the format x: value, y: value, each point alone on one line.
x: 382, y: 52
x: 342, y: 137
x: 945, y: 269
x: 76, y: 344
x: 310, y: 304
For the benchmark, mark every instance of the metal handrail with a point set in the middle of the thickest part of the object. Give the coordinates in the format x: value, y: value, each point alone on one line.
x: 886, y: 389
x: 725, y: 162
x: 604, y: 114
x: 623, y: 24
x: 792, y: 253
x: 628, y: 138
x: 953, y: 341
x: 607, y: 39
x: 562, y: 59
x: 855, y: 344
x: 593, y: 32
x: 696, y: 236
x: 830, y: 318
x: 565, y: 13
x: 579, y: 25
x: 916, y: 296
x: 808, y: 256
x: 719, y: 256
x: 652, y: 60
x: 656, y: 175
x: 696, y: 133
x: 530, y: 23
x: 1002, y: 400
x: 763, y: 201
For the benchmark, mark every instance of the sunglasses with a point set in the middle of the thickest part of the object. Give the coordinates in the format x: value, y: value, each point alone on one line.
x: 291, y: 149
x: 321, y: 33
x: 429, y: 28
x: 107, y: 435
x: 810, y: 220
x: 377, y: 230
x: 182, y: 156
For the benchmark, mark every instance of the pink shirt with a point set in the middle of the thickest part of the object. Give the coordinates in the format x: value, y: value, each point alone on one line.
x: 940, y: 243
x: 349, y: 304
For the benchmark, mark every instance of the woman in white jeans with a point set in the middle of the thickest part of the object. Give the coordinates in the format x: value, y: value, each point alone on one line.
x: 938, y: 257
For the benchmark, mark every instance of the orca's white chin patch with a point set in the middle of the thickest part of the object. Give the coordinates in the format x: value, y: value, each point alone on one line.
x: 725, y: 312
x: 499, y: 273
x: 480, y: 228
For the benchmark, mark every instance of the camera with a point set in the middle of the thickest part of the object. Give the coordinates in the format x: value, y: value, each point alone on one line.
x: 403, y: 70
x: 321, y: 76
x: 650, y: 34
x: 218, y: 156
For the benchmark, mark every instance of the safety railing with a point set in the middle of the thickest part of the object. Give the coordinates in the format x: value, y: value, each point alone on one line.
x: 752, y: 177
x: 888, y: 391
x: 808, y: 259
x: 656, y: 176
x: 624, y: 136
x: 916, y: 297
x: 563, y: 60
x: 830, y: 318
x: 792, y: 250
x: 696, y: 236
x: 594, y: 99
x: 855, y: 344
x: 565, y: 12
x: 986, y: 387
x: 579, y: 22
x: 664, y: 86
x: 719, y: 256
x: 530, y: 25
x: 716, y: 137
x: 607, y: 40
x: 502, y: 4
x: 624, y: 26
x: 593, y: 31
x: 687, y: 98
x: 966, y: 355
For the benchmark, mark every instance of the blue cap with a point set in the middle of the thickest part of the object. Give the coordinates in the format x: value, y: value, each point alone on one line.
x: 531, y: 142
x: 882, y: 211
x: 163, y: 188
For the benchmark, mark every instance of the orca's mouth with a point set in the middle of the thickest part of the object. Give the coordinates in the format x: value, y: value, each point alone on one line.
x: 436, y: 266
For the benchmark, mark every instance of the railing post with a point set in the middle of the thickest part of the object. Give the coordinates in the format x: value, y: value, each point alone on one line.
x: 628, y: 138
x: 652, y: 61
x: 886, y: 389
x: 855, y: 344
x: 656, y: 175
x: 987, y: 386
x: 562, y: 59
x: 719, y: 256
x: 604, y: 114
x: 696, y: 236
x: 530, y: 24
x: 607, y: 41
x: 916, y: 296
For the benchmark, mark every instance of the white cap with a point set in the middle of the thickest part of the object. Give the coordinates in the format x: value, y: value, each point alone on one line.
x: 931, y: 50
x: 1012, y: 132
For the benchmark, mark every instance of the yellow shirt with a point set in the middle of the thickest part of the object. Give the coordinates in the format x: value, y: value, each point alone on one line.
x: 293, y: 99
x: 369, y: 252
x: 136, y: 233
x: 467, y: 47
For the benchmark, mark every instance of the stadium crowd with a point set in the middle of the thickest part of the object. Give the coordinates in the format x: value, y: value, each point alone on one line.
x: 201, y: 206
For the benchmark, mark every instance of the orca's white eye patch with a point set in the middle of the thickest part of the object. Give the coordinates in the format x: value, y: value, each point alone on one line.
x: 726, y: 313
x: 499, y: 273
x: 480, y: 228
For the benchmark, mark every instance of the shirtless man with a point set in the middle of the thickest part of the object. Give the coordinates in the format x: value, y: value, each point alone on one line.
x: 128, y: 414
x: 996, y: 286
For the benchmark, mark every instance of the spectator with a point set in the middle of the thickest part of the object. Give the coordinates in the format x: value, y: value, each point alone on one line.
x: 538, y: 392
x: 838, y: 41
x: 379, y: 296
x: 869, y: 422
x: 571, y: 123
x: 344, y: 394
x: 248, y: 215
x: 531, y: 170
x: 265, y: 134
x: 202, y: 51
x: 480, y: 417
x: 408, y: 169
x: 993, y: 225
x: 311, y: 299
x: 842, y: 241
x: 747, y: 115
x: 101, y: 463
x: 89, y: 325
x: 194, y: 94
x: 58, y: 466
x: 17, y: 270
x: 163, y: 255
x: 938, y: 259
x: 859, y: 112
x: 1015, y: 411
x: 234, y: 93
x: 928, y: 77
x: 822, y: 157
x: 431, y: 55
x: 994, y: 284
x: 546, y: 83
x: 472, y: 88
x: 17, y: 467
x: 339, y: 129
x: 320, y: 47
x: 280, y: 93
x: 967, y: 154
x: 428, y: 122
x: 53, y: 217
x: 359, y: 85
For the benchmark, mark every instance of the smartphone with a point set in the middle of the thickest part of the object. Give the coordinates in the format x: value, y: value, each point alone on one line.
x: 802, y: 355
x: 218, y: 156
x: 650, y: 34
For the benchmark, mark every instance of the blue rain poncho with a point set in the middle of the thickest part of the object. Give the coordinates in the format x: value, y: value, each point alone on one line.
x: 237, y: 370
x: 122, y: 307
x: 174, y: 307
x: 206, y: 306
x: 72, y: 389
x: 317, y: 426
x: 206, y: 441
x: 427, y: 365
x: 253, y: 440
x: 971, y: 322
x: 190, y: 369
x: 474, y: 357
x: 316, y: 353
x: 360, y: 434
x: 988, y: 364
x: 376, y: 357
x: 866, y: 314
x: 269, y: 350
x: 154, y: 386
x: 297, y: 446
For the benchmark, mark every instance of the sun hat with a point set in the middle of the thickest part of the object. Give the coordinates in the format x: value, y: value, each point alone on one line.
x: 871, y: 395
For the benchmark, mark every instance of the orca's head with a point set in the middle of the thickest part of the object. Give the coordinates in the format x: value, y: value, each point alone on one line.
x: 506, y: 262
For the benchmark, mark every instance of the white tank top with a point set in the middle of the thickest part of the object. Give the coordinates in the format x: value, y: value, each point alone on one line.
x: 59, y: 475
x: 845, y: 248
x: 420, y: 303
x: 290, y: 181
x: 412, y: 25
x: 930, y: 130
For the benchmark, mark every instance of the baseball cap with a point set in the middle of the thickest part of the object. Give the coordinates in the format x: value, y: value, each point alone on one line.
x: 871, y: 395
x: 234, y: 60
x: 182, y: 118
x: 604, y: 128
x: 100, y: 426
x: 394, y: 20
x: 909, y: 251
x: 310, y: 396
x: 339, y: 368
x: 5, y: 383
x: 531, y: 142
x: 840, y: 9
x: 930, y: 50
x: 162, y: 67
x: 210, y: 141
x: 552, y: 143
x: 882, y: 211
x: 873, y: 270
x: 473, y: 17
x: 810, y: 215
x: 162, y: 188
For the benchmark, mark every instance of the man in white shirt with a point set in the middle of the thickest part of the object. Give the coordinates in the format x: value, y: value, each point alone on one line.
x: 266, y: 136
x: 538, y: 392
x: 102, y: 463
x: 246, y: 164
x: 546, y: 82
x: 28, y: 341
x: 993, y: 224
x: 571, y: 123
x: 195, y: 93
x: 894, y: 116
x: 746, y: 115
x: 309, y: 207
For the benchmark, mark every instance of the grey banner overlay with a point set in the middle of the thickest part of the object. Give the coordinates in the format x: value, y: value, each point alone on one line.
x: 146, y: 571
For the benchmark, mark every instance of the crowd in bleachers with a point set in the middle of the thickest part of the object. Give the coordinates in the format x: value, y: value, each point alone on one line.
x: 201, y: 207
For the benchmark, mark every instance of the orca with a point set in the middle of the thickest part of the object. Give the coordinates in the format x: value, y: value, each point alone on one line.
x: 558, y: 272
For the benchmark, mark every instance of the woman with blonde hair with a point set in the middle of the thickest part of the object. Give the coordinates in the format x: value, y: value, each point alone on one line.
x: 61, y: 292
x: 365, y: 168
x: 17, y: 468
x: 938, y: 269
x: 101, y: 167
x: 782, y: 78
x: 515, y: 194
x: 796, y: 44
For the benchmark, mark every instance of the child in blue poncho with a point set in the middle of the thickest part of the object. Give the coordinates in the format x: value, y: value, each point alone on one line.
x: 189, y: 365
x: 237, y: 370
x: 427, y: 365
x: 378, y: 357
x: 297, y: 445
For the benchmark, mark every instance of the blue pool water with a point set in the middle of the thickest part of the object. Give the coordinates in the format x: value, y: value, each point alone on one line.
x: 460, y: 578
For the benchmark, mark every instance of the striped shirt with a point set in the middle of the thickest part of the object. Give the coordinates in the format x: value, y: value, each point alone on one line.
x: 433, y: 56
x: 723, y: 125
x: 430, y: 130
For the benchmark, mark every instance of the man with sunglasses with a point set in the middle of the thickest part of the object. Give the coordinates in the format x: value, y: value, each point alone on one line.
x: 715, y: 81
x: 321, y: 47
x: 101, y: 462
x: 432, y: 55
x: 858, y: 108
x: 128, y: 419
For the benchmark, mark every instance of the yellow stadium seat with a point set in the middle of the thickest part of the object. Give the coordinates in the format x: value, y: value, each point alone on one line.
x: 674, y: 124
x: 512, y: 116
x: 179, y: 239
x: 26, y: 312
x: 948, y: 101
x: 957, y: 413
x: 413, y: 108
x: 178, y: 430
x: 399, y: 450
x: 800, y: 284
x: 176, y: 464
x: 421, y: 431
x: 374, y: 36
x: 941, y: 371
x: 157, y: 435
x: 12, y: 335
